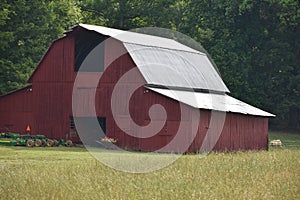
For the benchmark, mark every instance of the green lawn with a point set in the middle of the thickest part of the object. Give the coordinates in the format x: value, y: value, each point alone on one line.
x: 289, y: 141
x: 72, y: 173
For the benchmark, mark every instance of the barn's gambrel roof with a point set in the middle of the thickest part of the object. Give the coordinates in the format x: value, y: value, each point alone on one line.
x: 165, y: 62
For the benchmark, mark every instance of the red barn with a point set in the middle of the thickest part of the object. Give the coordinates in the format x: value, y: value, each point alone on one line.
x: 147, y: 92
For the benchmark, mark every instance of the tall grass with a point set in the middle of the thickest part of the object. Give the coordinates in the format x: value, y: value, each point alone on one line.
x: 72, y: 173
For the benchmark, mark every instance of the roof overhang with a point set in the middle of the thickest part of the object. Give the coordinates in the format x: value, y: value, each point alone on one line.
x: 211, y: 101
x: 17, y: 90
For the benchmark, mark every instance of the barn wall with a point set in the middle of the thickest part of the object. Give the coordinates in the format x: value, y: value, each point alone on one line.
x: 57, y: 64
x: 239, y: 132
x: 15, y: 111
x: 52, y: 84
x: 243, y: 132
x: 52, y: 109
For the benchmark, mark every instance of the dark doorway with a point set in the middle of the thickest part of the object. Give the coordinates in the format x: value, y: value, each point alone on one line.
x: 88, y: 128
x: 89, y: 52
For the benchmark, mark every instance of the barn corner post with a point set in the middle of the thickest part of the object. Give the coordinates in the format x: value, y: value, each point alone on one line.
x: 267, y: 133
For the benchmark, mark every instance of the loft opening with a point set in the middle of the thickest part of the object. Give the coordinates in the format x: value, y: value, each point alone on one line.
x: 89, y: 51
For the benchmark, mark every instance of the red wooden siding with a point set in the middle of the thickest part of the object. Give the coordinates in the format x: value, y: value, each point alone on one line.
x: 243, y: 132
x: 16, y: 107
x: 57, y: 64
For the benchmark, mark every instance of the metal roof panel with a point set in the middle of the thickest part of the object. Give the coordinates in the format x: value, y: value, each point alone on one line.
x: 173, y: 68
x: 211, y: 101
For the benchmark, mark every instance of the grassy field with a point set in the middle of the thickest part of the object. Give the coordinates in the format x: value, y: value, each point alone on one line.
x: 72, y: 173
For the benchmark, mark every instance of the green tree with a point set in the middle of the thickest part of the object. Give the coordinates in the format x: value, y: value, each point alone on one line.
x: 27, y: 28
x: 129, y: 14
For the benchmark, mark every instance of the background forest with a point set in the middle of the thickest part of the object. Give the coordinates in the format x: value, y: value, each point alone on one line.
x: 254, y: 43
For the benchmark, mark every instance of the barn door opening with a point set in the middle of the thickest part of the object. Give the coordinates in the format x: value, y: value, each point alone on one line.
x: 73, y: 135
x: 102, y: 123
x: 88, y: 128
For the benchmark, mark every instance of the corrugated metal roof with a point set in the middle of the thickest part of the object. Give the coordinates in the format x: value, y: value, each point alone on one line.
x: 210, y: 101
x: 172, y: 68
x: 166, y: 62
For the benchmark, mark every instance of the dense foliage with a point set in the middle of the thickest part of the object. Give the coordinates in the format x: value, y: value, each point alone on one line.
x: 26, y: 29
x: 255, y: 43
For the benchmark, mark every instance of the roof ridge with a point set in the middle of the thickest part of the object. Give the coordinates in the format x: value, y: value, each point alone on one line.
x: 143, y: 39
x: 198, y: 52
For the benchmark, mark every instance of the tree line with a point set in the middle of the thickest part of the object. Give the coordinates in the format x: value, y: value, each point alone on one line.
x: 254, y: 43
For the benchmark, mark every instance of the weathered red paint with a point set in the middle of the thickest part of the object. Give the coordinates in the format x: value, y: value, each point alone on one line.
x: 16, y: 107
x: 47, y: 105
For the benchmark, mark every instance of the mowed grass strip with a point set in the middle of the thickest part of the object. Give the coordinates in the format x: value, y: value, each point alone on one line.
x: 72, y: 173
x: 289, y: 140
